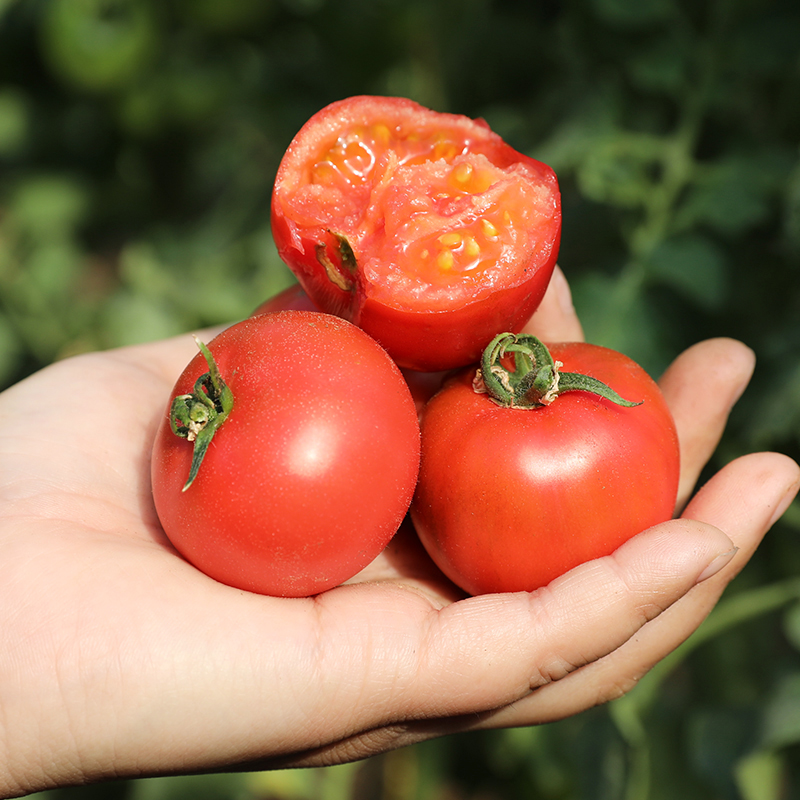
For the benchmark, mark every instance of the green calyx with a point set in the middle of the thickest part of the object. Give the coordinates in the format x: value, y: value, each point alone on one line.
x: 536, y: 379
x: 199, y: 415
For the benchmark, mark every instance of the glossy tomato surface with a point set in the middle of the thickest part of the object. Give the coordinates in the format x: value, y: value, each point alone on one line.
x: 509, y: 499
x: 312, y: 472
x: 425, y: 229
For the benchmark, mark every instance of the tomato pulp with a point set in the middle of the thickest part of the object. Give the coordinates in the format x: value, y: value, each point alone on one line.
x: 425, y: 229
x: 312, y: 471
x: 509, y: 499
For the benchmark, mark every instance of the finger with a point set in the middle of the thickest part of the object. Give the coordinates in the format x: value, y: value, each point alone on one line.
x: 701, y: 386
x: 492, y: 651
x: 744, y: 499
x: 556, y: 320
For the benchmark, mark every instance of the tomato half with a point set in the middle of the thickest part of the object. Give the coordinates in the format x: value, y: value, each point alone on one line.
x: 425, y: 229
x: 312, y: 471
x: 509, y: 499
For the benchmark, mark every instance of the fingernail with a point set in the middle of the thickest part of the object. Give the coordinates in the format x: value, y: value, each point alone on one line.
x: 720, y: 561
x: 785, y: 502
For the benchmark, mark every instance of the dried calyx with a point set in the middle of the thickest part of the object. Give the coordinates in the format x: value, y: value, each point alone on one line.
x: 199, y: 415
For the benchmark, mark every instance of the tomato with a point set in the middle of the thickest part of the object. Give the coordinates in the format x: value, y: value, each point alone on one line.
x: 423, y: 385
x: 425, y: 229
x: 510, y: 498
x: 313, y: 469
x: 293, y: 298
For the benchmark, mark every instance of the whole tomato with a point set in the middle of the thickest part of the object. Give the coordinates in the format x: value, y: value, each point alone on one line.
x: 425, y: 229
x: 523, y: 482
x: 311, y: 460
x: 423, y: 385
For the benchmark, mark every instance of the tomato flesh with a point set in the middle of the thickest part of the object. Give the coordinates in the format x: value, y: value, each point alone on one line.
x: 509, y: 499
x: 425, y: 229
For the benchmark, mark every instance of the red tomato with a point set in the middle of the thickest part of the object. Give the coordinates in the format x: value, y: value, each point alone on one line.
x: 293, y: 298
x: 312, y: 472
x: 423, y: 385
x: 425, y: 229
x: 509, y: 499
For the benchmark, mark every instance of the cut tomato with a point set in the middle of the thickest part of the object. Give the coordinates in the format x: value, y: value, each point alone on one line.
x: 425, y: 229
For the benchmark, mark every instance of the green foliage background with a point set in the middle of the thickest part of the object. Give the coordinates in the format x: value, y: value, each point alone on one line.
x: 138, y: 144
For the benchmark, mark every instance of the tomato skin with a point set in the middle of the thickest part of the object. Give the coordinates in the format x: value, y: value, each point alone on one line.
x: 423, y: 385
x: 293, y: 298
x: 509, y: 499
x: 311, y: 474
x: 425, y: 327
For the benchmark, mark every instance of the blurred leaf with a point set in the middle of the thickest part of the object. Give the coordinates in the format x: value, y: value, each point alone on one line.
x: 791, y: 218
x: 193, y: 787
x: 10, y: 350
x: 761, y: 776
x: 662, y: 65
x: 100, y: 44
x: 620, y: 170
x: 616, y: 314
x: 693, y: 265
x: 51, y: 271
x: 781, y: 719
x: 717, y: 741
x: 4, y: 6
x: 733, y: 194
x: 48, y: 206
x: 633, y: 13
x: 132, y: 319
x: 777, y: 411
x: 768, y: 43
x: 791, y: 625
x: 590, y: 123
x: 14, y: 119
x: 228, y: 17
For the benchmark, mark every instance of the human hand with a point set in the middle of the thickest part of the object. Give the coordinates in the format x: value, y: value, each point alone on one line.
x: 119, y: 659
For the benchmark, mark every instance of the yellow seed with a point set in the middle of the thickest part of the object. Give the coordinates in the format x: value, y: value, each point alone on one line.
x: 382, y: 134
x: 323, y: 172
x: 472, y: 248
x: 452, y: 239
x: 445, y: 260
x: 444, y: 150
x: 462, y: 173
x: 488, y: 228
x: 424, y: 254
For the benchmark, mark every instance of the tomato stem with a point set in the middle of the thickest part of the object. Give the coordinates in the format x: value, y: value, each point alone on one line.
x: 199, y: 415
x: 536, y: 379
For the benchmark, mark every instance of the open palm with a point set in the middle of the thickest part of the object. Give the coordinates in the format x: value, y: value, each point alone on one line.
x: 117, y: 658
